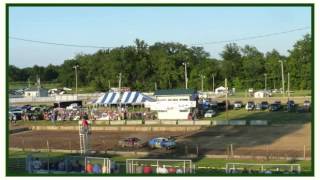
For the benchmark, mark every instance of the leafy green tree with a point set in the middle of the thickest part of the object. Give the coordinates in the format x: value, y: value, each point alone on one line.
x: 252, y: 70
x: 299, y: 63
x: 231, y: 61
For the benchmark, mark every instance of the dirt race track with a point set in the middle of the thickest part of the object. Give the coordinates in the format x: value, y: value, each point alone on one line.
x: 281, y: 140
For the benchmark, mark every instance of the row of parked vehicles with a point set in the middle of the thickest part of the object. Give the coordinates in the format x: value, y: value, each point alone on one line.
x: 260, y: 106
x: 275, y: 106
x: 158, y: 142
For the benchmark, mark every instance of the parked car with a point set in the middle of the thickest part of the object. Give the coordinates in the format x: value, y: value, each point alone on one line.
x: 307, y: 105
x: 131, y: 142
x: 72, y: 106
x: 274, y: 107
x: 277, y: 102
x: 290, y: 105
x: 210, y: 113
x: 237, y: 105
x: 264, y: 105
x: 26, y: 107
x: 104, y: 117
x: 161, y: 142
x: 250, y: 106
x: 258, y: 106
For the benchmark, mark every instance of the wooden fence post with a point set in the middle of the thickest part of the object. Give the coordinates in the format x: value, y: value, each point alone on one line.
x: 186, y: 149
x: 48, y: 146
x: 197, y: 150
x: 304, y: 152
x: 70, y: 144
x: 231, y: 149
x: 23, y: 145
x: 104, y: 145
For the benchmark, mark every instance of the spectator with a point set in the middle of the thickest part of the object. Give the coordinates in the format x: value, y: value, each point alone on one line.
x: 96, y: 169
x: 85, y: 126
x: 76, y: 167
x: 179, y: 171
x: 61, y: 166
x: 89, y: 168
x: 104, y: 169
x: 36, y: 164
x: 13, y: 119
x: 162, y: 170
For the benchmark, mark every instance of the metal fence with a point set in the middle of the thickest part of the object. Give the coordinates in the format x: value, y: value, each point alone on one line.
x: 57, y: 98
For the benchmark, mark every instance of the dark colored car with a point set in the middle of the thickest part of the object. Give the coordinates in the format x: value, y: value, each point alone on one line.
x: 291, y: 105
x: 131, y: 142
x: 258, y: 106
x: 277, y: 102
x: 250, y: 106
x: 274, y: 107
x: 264, y: 105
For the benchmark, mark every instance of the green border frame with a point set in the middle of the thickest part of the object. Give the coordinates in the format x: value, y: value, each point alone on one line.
x: 8, y: 5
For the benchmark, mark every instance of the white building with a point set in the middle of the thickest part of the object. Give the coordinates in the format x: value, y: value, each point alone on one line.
x: 173, y: 103
x: 36, y: 92
x: 220, y: 90
x: 262, y: 94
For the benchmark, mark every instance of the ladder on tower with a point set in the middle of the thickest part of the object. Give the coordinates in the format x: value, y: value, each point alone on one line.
x: 84, y: 139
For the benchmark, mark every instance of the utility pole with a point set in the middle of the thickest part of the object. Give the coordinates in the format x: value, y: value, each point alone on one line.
x: 119, y: 100
x: 282, y: 77
x: 120, y: 81
x: 265, y: 81
x: 226, y: 91
x: 288, y: 85
x: 202, y: 77
x: 185, y: 74
x: 213, y: 82
x: 155, y: 86
x: 109, y: 84
x: 76, y: 75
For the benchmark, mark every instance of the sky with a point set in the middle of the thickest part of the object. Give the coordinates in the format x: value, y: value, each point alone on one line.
x: 117, y: 26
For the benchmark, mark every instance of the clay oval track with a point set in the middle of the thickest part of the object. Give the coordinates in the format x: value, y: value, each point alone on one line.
x: 281, y: 140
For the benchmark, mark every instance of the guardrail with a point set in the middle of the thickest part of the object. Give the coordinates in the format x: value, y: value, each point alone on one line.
x: 162, y: 123
x: 56, y: 98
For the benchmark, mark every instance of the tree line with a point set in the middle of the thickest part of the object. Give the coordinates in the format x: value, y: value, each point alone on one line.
x: 160, y: 65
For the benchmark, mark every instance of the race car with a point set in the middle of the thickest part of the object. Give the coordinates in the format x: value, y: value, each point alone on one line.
x: 161, y: 142
x: 131, y: 142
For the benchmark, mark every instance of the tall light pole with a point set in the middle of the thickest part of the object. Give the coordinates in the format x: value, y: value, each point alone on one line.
x: 226, y: 91
x: 120, y: 81
x: 185, y: 74
x: 282, y: 76
x: 76, y: 74
x: 265, y: 81
x: 202, y: 77
x: 213, y: 82
x: 119, y: 100
x: 288, y: 85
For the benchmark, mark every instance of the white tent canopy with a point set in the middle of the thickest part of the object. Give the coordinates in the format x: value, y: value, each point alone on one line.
x: 129, y: 97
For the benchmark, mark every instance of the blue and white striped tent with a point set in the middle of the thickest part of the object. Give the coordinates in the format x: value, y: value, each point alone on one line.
x: 132, y: 97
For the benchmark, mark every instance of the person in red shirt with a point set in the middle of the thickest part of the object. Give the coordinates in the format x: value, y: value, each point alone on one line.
x: 85, y: 126
x: 89, y: 168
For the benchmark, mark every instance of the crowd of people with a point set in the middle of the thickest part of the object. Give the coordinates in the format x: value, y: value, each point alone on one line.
x: 57, y: 165
x: 123, y: 114
x: 265, y: 171
x: 101, y: 113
